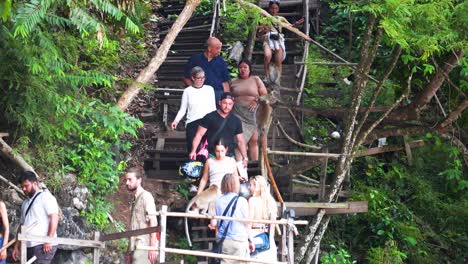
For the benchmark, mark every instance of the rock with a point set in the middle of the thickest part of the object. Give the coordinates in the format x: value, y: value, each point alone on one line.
x: 78, y: 204
x: 72, y: 257
x: 72, y: 225
x: 12, y: 196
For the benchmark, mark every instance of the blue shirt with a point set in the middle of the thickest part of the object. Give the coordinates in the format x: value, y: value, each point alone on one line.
x: 216, y: 71
x: 237, y: 230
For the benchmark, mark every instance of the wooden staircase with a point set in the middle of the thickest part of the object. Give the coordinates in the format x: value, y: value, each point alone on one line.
x: 169, y: 148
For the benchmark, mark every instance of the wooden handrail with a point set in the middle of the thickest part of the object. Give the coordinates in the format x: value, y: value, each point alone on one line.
x: 199, y: 216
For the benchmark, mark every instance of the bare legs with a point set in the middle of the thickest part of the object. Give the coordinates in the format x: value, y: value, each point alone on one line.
x: 268, y: 53
x: 253, y: 146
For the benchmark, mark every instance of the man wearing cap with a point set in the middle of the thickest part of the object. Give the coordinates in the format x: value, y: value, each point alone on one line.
x: 40, y: 212
x: 221, y: 124
x: 216, y: 71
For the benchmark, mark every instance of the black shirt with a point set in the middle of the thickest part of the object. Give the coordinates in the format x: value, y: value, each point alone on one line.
x: 213, y: 122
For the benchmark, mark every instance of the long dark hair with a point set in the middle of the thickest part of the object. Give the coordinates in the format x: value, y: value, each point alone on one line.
x: 246, y: 61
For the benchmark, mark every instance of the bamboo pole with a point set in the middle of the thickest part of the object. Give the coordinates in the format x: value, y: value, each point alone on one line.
x: 248, y: 220
x: 12, y: 185
x: 295, y: 141
x: 162, y: 240
x: 307, y: 154
x: 207, y: 254
x: 18, y: 159
x: 324, y: 63
x: 270, y: 174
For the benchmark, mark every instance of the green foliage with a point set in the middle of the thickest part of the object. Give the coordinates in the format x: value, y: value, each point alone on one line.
x: 184, y: 189
x: 238, y: 21
x: 337, y: 256
x: 34, y: 14
x: 389, y: 254
x: 55, y: 79
x: 416, y: 214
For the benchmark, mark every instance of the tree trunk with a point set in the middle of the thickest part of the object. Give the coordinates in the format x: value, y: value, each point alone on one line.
x: 8, y: 152
x: 454, y: 114
x: 344, y: 161
x: 145, y: 75
x: 413, y: 110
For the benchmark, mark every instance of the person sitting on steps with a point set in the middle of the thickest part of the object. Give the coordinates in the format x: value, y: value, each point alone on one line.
x: 273, y: 44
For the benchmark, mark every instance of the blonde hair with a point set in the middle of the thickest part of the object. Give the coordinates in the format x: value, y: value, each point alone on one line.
x: 269, y: 207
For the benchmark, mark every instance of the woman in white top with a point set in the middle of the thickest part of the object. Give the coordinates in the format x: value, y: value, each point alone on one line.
x: 197, y: 101
x: 215, y: 168
x: 262, y: 206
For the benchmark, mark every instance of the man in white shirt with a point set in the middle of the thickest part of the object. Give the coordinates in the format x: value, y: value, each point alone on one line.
x: 41, y: 210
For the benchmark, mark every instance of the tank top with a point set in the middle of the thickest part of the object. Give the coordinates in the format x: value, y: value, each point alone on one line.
x: 219, y: 168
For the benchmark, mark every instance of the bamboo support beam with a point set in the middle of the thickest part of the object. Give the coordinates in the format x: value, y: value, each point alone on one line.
x: 305, y: 183
x: 12, y: 185
x: 331, y: 64
x: 270, y: 173
x: 307, y: 154
x: 307, y: 178
x: 18, y: 159
x: 295, y: 141
x: 244, y: 220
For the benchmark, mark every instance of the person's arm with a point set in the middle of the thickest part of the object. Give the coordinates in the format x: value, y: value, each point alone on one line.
x: 153, y: 254
x: 53, y: 222
x: 6, y: 229
x: 262, y: 90
x: 242, y: 148
x: 182, y: 110
x: 226, y: 87
x: 204, y: 178
x: 196, y: 141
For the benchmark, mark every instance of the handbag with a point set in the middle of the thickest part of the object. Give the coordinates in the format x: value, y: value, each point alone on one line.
x: 274, y: 36
x: 218, y: 248
x: 261, y: 242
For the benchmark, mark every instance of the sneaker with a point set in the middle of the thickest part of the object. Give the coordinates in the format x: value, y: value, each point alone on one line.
x: 193, y: 188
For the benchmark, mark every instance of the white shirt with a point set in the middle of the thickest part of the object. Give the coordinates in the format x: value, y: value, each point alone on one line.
x: 44, y: 205
x: 196, y: 102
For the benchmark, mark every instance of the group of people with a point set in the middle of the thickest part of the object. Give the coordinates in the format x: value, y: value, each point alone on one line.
x: 221, y: 114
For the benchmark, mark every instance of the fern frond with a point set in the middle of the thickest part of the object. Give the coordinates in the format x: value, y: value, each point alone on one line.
x: 108, y: 8
x: 57, y: 20
x: 29, y: 15
x: 84, y: 21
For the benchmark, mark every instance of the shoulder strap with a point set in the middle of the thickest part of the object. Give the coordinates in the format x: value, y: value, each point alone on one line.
x: 29, y: 206
x: 223, y: 124
x: 134, y: 202
x: 234, y: 199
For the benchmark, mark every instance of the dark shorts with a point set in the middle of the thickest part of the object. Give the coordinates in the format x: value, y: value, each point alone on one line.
x: 42, y: 258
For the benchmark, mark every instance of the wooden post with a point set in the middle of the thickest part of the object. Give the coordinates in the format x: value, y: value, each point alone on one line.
x: 165, y: 112
x: 162, y: 241
x: 409, y: 154
x: 96, y: 251
x: 24, y: 248
x: 284, y: 247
